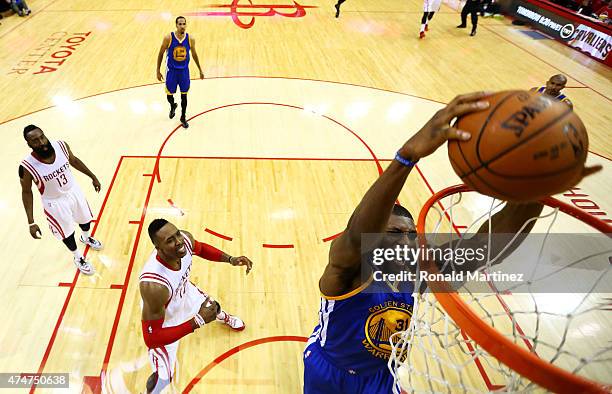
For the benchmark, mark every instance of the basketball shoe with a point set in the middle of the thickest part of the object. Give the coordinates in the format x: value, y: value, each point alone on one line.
x: 172, y: 110
x: 234, y: 322
x: 92, y: 242
x: 84, y: 266
x: 184, y: 122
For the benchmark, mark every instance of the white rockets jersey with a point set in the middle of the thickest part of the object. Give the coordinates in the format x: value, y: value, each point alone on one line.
x: 55, y: 179
x: 185, y: 298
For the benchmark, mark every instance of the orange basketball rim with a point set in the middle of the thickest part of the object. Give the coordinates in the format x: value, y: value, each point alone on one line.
x: 520, y: 360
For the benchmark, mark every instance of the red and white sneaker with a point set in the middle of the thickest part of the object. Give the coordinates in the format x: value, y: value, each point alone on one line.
x: 422, y: 34
x: 426, y: 28
x: 234, y: 322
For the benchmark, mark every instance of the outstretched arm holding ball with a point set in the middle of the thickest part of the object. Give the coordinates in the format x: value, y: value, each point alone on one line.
x: 373, y: 213
x: 525, y: 147
x: 358, y: 277
x: 340, y: 335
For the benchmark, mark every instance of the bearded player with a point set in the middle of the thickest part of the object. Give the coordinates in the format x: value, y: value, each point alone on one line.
x: 48, y: 167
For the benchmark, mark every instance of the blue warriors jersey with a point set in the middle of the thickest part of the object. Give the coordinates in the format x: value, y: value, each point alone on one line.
x: 178, y: 52
x: 560, y: 96
x: 354, y: 329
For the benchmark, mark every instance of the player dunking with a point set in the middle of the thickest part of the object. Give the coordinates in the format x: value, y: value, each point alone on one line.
x: 172, y: 305
x: 178, y: 46
x: 430, y: 7
x: 349, y: 349
x: 48, y: 166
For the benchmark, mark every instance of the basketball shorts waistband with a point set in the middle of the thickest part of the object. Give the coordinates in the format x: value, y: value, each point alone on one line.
x: 316, y: 348
x: 66, y: 194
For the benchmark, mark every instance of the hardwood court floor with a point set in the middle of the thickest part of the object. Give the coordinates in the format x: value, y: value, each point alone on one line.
x: 287, y: 129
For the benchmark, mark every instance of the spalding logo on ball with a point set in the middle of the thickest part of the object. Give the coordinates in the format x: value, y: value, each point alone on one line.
x: 526, y: 146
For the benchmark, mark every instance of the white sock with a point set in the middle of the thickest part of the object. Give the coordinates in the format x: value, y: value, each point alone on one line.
x: 423, y: 27
x: 221, y: 315
x: 86, y: 234
x: 77, y: 254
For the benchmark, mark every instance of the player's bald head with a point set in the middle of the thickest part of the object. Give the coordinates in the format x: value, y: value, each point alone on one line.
x: 555, y: 84
x: 559, y: 78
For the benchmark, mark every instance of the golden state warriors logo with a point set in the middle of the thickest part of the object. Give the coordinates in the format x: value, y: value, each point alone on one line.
x: 385, y: 320
x: 180, y: 53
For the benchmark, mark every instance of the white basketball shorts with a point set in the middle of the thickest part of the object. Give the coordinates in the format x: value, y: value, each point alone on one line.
x: 63, y: 212
x: 431, y: 5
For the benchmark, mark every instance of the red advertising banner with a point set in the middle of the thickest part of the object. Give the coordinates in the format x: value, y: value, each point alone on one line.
x: 581, y: 33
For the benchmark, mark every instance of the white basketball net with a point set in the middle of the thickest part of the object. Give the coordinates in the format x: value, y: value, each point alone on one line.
x: 571, y: 331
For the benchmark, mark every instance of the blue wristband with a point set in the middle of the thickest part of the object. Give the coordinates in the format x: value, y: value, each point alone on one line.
x: 405, y: 162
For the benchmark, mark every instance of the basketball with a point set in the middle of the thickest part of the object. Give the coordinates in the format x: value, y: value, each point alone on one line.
x: 524, y: 147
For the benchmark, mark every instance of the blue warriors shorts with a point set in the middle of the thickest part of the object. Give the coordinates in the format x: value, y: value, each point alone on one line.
x: 321, y: 377
x: 177, y: 77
